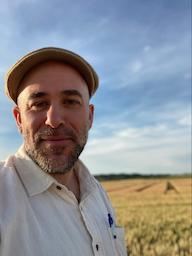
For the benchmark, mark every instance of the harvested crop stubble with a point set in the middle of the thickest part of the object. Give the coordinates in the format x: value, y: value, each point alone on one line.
x: 156, y: 223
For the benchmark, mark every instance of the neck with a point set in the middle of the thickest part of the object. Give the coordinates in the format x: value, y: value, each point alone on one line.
x: 70, y: 180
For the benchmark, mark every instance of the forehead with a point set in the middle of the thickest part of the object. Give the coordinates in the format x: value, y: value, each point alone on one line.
x: 53, y: 77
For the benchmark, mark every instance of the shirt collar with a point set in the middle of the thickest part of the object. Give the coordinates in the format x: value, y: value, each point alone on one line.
x: 34, y: 179
x: 37, y: 181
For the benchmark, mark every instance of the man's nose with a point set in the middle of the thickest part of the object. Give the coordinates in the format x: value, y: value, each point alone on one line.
x: 54, y: 117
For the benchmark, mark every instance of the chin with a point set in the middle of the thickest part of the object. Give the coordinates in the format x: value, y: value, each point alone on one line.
x: 55, y: 159
x: 59, y: 161
x: 58, y: 167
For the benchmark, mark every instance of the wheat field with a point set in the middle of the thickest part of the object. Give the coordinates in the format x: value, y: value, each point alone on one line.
x: 156, y: 215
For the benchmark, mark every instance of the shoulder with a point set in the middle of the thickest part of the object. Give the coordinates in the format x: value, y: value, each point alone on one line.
x: 2, y: 163
x: 100, y: 187
x: 10, y: 188
x: 6, y: 166
x: 7, y: 174
x: 3, y: 168
x: 105, y: 197
x: 9, y: 179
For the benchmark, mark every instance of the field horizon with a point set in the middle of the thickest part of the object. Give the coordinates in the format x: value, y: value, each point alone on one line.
x: 123, y: 175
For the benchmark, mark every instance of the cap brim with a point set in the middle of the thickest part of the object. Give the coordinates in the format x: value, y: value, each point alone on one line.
x: 18, y: 71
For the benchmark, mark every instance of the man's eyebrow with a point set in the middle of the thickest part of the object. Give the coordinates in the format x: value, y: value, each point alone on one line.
x: 36, y: 95
x: 70, y: 92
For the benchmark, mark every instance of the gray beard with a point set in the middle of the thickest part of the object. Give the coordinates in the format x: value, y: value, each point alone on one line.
x: 49, y: 165
x: 62, y: 158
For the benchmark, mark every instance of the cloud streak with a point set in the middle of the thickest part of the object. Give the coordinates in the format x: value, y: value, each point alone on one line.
x: 154, y: 149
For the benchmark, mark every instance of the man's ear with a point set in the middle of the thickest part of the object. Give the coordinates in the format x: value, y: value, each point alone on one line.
x: 17, y: 116
x: 91, y: 115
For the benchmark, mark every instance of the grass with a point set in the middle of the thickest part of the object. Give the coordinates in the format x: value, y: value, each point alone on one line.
x: 156, y: 214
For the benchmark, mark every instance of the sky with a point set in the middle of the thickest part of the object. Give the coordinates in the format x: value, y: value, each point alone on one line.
x: 141, y: 52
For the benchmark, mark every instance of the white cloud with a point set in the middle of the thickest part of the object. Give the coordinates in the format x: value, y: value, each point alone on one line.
x: 153, y: 149
x: 147, y: 48
x: 154, y: 63
x: 186, y: 120
x: 136, y: 66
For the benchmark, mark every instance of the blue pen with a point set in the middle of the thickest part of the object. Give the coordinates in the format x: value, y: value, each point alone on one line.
x: 110, y: 220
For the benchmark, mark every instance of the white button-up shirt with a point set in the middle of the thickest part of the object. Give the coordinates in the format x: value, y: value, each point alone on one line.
x: 41, y: 217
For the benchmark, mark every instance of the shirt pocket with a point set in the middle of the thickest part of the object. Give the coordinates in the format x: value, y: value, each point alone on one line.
x: 119, y: 242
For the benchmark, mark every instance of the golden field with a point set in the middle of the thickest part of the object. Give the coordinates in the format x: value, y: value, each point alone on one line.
x: 156, y: 215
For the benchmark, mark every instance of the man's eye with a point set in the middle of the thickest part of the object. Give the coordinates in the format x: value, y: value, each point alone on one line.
x: 39, y: 105
x: 71, y: 102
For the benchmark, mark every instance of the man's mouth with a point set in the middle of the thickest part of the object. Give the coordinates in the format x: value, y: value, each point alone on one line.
x: 56, y: 140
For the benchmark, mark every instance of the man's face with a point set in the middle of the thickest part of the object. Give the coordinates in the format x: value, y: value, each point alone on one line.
x: 54, y: 115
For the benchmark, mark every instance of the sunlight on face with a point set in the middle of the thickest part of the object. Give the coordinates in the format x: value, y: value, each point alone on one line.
x: 54, y: 115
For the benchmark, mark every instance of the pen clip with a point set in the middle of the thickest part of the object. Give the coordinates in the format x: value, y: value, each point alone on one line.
x: 110, y: 220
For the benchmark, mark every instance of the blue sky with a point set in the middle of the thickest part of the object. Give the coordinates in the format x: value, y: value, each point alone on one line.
x: 141, y: 51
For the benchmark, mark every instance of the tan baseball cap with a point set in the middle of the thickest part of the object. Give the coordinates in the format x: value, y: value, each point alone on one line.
x: 22, y: 66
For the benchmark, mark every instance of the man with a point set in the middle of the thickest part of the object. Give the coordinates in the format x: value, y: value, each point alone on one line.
x: 49, y: 202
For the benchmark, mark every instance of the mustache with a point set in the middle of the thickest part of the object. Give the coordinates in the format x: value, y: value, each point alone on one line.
x: 60, y: 131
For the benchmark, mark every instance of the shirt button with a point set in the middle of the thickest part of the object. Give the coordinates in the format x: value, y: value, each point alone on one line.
x: 58, y: 187
x: 97, y: 247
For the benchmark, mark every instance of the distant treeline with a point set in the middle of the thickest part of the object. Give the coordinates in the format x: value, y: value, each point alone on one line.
x: 122, y: 176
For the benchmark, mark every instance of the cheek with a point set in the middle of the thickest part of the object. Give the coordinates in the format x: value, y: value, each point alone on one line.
x: 82, y: 118
x: 77, y: 122
x: 31, y: 123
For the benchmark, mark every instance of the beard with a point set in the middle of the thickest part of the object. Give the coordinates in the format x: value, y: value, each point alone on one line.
x: 55, y: 158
